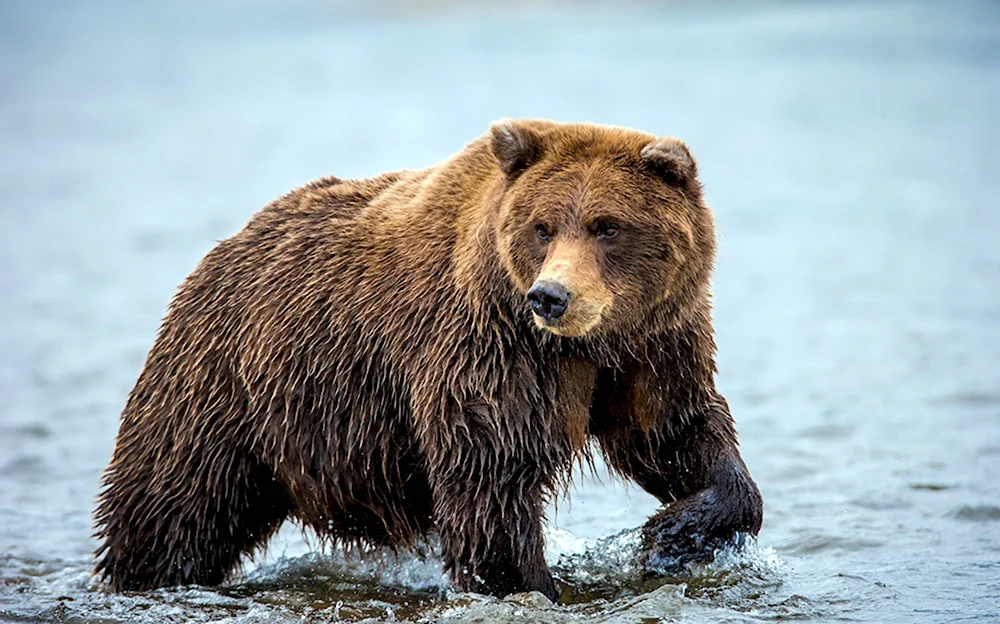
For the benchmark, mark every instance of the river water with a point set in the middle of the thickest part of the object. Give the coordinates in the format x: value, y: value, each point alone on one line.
x: 851, y: 151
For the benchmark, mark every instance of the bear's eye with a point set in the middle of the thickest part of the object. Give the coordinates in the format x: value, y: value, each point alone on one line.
x: 543, y: 233
x: 607, y: 232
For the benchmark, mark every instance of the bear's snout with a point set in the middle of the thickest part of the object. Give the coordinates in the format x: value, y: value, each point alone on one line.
x: 549, y: 300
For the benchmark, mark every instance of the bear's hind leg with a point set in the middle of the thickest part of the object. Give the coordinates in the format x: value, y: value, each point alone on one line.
x: 185, y: 523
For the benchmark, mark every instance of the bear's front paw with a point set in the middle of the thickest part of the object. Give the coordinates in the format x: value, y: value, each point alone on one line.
x: 687, y: 531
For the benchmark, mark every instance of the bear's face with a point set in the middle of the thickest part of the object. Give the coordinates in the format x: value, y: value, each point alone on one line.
x: 599, y: 226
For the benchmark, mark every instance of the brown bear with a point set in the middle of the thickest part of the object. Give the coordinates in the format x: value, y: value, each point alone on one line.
x: 431, y: 352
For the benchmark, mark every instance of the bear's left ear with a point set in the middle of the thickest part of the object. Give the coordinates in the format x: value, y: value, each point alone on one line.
x: 671, y: 159
x: 515, y: 146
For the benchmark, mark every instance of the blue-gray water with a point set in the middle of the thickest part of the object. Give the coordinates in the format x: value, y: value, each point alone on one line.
x: 851, y: 151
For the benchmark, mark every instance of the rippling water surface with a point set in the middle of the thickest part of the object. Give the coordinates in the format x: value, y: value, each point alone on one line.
x: 850, y: 150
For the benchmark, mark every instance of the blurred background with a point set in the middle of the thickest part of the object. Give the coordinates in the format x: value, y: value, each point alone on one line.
x: 848, y: 148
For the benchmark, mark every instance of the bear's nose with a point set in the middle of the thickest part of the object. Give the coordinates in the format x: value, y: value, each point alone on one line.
x: 548, y: 300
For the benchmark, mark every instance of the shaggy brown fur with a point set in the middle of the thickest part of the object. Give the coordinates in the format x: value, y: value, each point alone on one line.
x: 361, y: 358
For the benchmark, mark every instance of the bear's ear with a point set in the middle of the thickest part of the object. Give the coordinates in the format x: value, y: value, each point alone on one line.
x: 515, y: 146
x: 671, y: 159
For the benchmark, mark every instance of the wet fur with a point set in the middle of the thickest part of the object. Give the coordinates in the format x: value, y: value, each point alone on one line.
x: 360, y: 358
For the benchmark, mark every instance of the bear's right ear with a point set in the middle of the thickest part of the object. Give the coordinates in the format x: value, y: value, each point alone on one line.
x: 515, y: 146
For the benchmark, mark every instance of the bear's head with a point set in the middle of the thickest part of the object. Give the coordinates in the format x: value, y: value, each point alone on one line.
x: 602, y: 229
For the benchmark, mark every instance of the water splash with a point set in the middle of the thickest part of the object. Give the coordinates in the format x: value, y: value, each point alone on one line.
x: 603, y: 569
x: 420, y: 570
x: 599, y: 580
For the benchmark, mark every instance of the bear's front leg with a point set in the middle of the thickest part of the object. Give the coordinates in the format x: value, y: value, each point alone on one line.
x: 690, y: 461
x: 489, y: 501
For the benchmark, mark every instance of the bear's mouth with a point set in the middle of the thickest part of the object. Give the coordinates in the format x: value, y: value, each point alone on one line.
x: 577, y: 322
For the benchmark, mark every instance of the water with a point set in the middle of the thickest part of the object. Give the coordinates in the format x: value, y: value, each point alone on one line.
x: 850, y: 150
